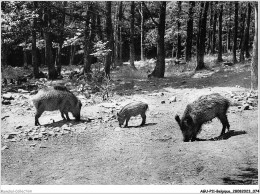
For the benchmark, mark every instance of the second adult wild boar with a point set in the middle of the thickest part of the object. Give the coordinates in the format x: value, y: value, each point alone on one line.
x: 130, y: 110
x: 56, y: 98
x: 204, y: 109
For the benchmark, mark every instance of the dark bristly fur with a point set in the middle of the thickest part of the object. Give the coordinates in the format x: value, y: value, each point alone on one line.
x: 204, y: 109
x: 56, y: 98
x: 132, y: 109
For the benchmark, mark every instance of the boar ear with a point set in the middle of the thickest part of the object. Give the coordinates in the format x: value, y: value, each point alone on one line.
x: 188, y: 120
x: 177, y: 118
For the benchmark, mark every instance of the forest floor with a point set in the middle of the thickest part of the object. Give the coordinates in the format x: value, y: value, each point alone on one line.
x: 97, y: 151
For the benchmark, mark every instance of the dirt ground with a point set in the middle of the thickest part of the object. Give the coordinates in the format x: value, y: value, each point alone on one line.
x: 97, y: 151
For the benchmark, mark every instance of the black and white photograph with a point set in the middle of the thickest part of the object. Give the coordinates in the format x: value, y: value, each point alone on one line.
x: 161, y: 96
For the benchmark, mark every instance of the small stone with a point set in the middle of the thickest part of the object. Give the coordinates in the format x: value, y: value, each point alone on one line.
x: 57, y: 129
x: 30, y: 138
x: 117, y: 129
x: 19, y: 127
x: 4, y: 147
x: 22, y: 91
x: 163, y: 102
x: 32, y: 145
x: 246, y: 107
x: 43, y: 146
x: 65, y: 127
x: 42, y: 129
x: 8, y: 136
x: 4, y: 102
x: 50, y: 133
x: 8, y: 96
x: 172, y: 99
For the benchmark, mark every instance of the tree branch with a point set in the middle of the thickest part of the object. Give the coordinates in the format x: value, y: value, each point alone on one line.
x: 149, y: 13
x: 77, y: 16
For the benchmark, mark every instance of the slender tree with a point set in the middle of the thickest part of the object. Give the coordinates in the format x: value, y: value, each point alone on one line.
x: 229, y: 28
x: 246, y: 38
x: 189, y: 32
x: 242, y: 37
x: 87, y: 37
x: 220, y: 33
x: 120, y: 19
x: 202, y: 36
x: 52, y: 74
x: 109, y: 34
x: 213, y: 46
x: 254, y: 64
x: 160, y: 63
x: 34, y: 51
x: 91, y: 38
x: 61, y: 39
x: 99, y: 27
x: 178, y: 55
x: 235, y: 34
x: 210, y: 27
x: 132, y: 31
x: 142, y: 29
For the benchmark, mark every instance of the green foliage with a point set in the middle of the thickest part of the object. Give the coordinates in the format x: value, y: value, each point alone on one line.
x: 100, y: 49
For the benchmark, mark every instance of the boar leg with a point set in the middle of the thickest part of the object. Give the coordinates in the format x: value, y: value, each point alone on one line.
x: 195, y: 133
x: 223, y: 119
x: 37, y: 116
x: 62, y: 115
x: 67, y: 116
x: 126, y: 122
x: 144, y: 119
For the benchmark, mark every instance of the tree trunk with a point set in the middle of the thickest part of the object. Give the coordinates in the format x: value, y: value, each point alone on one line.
x: 242, y: 33
x: 48, y: 56
x: 229, y: 28
x: 142, y: 30
x: 214, y: 30
x: 87, y: 35
x: 120, y: 17
x: 254, y: 64
x: 25, y: 64
x: 52, y: 74
x: 220, y: 33
x: 178, y: 30
x: 72, y: 54
x: 160, y: 63
x: 246, y: 45
x: 235, y: 34
x: 109, y: 34
x: 189, y: 37
x: 132, y: 29
x: 202, y: 37
x: 210, y: 26
x: 90, y: 39
x: 99, y: 28
x: 34, y: 51
x: 58, y: 61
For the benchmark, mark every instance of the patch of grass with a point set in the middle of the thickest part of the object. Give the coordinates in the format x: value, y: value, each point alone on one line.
x: 171, y: 68
x: 128, y: 72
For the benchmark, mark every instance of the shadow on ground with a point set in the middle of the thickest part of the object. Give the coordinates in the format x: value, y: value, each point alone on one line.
x: 249, y: 176
x: 62, y: 122
x: 141, y: 126
x: 225, y: 136
x: 221, y: 78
